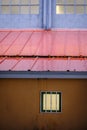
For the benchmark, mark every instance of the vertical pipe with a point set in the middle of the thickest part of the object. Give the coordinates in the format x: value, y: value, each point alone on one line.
x: 44, y: 14
x: 49, y: 14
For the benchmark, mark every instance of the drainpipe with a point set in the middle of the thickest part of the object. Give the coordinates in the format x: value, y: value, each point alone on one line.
x: 47, y: 14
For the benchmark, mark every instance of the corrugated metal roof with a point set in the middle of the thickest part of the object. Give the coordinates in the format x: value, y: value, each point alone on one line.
x: 24, y: 50
x: 43, y: 64
x: 44, y: 43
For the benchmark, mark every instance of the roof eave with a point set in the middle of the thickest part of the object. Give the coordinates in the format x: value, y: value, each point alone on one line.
x: 43, y: 74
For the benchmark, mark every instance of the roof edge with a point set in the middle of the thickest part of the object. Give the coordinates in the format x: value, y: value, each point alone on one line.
x: 39, y: 29
x: 43, y: 74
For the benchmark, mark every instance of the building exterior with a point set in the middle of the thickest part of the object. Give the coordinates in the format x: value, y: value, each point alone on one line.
x: 43, y: 65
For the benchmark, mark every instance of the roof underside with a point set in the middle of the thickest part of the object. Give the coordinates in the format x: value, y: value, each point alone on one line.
x: 54, y: 50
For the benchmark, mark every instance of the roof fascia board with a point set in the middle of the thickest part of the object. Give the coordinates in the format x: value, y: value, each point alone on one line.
x: 41, y: 74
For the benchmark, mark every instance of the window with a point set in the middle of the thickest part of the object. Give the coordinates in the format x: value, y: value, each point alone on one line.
x: 70, y: 6
x: 45, y: 14
x: 50, y: 101
x: 19, y: 6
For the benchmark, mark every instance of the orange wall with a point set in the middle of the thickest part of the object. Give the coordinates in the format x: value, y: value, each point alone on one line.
x: 20, y: 104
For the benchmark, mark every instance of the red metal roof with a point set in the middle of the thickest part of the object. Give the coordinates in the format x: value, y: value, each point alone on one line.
x: 43, y: 43
x: 25, y: 45
x: 42, y: 64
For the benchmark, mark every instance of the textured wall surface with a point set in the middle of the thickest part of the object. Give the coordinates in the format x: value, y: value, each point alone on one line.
x: 36, y: 21
x: 19, y: 21
x: 20, y: 104
x: 70, y: 21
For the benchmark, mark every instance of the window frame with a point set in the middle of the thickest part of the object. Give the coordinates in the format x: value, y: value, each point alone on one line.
x: 50, y: 111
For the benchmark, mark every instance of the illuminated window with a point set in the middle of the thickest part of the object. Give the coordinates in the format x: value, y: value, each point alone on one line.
x: 79, y: 9
x: 69, y: 1
x: 34, y: 9
x: 60, y: 9
x: 5, y: 9
x: 24, y: 2
x: 14, y: 10
x: 79, y: 1
x: 14, y: 2
x: 69, y: 9
x: 50, y: 101
x: 34, y: 1
x: 19, y: 6
x: 5, y: 2
x: 86, y: 9
x: 70, y: 6
x: 60, y: 1
x: 24, y: 9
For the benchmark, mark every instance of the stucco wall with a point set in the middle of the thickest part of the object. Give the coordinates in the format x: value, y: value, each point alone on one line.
x: 20, y: 104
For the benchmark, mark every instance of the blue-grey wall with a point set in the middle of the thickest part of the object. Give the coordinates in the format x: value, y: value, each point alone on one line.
x: 47, y: 18
x: 70, y: 21
x: 34, y: 21
x: 20, y: 21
